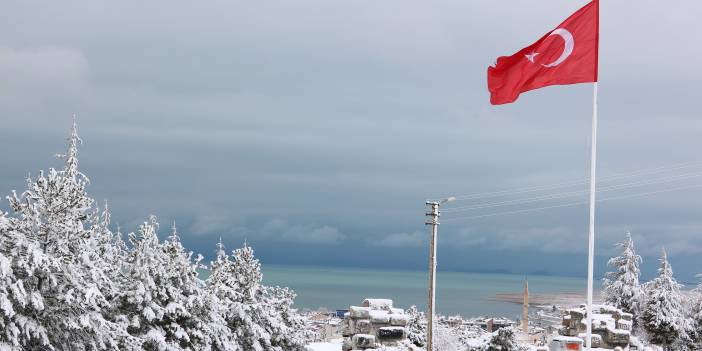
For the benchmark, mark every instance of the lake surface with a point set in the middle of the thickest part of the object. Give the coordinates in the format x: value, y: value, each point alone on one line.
x: 467, y: 294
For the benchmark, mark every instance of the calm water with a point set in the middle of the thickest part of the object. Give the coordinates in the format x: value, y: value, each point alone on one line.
x: 457, y: 293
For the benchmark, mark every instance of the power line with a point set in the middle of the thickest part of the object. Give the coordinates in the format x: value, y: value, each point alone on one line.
x: 615, y: 176
x: 574, y: 193
x: 574, y: 203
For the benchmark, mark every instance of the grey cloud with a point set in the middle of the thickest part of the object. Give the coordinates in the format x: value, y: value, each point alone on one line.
x: 335, y: 120
x: 557, y: 239
x: 414, y: 239
x: 677, y: 238
x: 312, y: 234
x: 213, y: 220
x: 278, y: 229
x: 36, y: 79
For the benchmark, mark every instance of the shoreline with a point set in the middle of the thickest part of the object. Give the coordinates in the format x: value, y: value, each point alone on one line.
x: 465, y: 294
x: 413, y: 270
x: 565, y: 299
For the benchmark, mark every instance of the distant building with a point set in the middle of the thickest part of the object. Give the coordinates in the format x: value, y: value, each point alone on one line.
x: 490, y: 324
x: 341, y: 313
x: 325, y: 326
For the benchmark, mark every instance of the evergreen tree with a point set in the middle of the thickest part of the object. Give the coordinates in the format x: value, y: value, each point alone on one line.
x: 19, y: 325
x: 695, y: 303
x: 503, y: 340
x: 260, y: 317
x: 417, y: 326
x: 163, y: 293
x: 246, y: 271
x: 663, y: 316
x: 111, y: 262
x: 621, y: 287
x: 67, y: 282
x: 56, y: 296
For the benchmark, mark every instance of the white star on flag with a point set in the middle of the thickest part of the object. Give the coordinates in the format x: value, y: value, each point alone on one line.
x: 531, y: 56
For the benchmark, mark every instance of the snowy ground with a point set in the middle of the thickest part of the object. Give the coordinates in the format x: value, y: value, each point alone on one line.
x: 333, y: 345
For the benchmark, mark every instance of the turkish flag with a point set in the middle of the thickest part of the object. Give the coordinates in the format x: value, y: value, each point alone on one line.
x: 565, y: 55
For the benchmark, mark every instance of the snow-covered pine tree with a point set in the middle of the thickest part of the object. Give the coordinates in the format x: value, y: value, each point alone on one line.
x: 110, y: 261
x: 247, y: 274
x: 19, y: 325
x: 237, y: 285
x: 121, y: 250
x: 56, y: 296
x: 68, y: 283
x: 286, y: 327
x: 207, y: 327
x: 260, y: 317
x: 110, y: 255
x: 621, y: 287
x: 221, y: 281
x: 663, y: 316
x: 503, y: 340
x: 416, y: 327
x: 696, y: 316
x: 222, y: 286
x: 164, y: 301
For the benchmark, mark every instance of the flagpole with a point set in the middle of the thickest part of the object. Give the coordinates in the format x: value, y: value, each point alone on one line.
x: 591, y: 237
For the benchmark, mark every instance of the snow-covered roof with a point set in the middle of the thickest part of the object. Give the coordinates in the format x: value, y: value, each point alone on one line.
x: 378, y: 316
x: 567, y: 339
x: 359, y: 312
x: 594, y: 336
x: 377, y: 304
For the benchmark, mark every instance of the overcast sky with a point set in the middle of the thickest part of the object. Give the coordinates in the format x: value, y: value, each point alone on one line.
x: 316, y: 129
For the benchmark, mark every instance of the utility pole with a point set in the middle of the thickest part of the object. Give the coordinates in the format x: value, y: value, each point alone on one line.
x: 433, y: 221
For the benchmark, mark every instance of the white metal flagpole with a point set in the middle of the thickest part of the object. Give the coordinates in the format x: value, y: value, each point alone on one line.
x: 591, y: 237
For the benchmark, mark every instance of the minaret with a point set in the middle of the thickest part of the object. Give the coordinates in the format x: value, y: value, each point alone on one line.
x: 525, y: 308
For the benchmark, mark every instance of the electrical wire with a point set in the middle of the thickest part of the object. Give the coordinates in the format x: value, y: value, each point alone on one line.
x: 575, y: 193
x: 573, y: 203
x: 611, y: 177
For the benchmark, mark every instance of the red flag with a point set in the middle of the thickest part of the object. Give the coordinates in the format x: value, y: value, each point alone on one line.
x: 565, y: 55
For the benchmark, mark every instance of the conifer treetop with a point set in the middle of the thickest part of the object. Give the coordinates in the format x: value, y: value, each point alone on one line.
x: 71, y: 156
x: 221, y: 253
x: 621, y: 287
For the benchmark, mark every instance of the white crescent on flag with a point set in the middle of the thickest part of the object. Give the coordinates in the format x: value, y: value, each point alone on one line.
x: 567, y: 50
